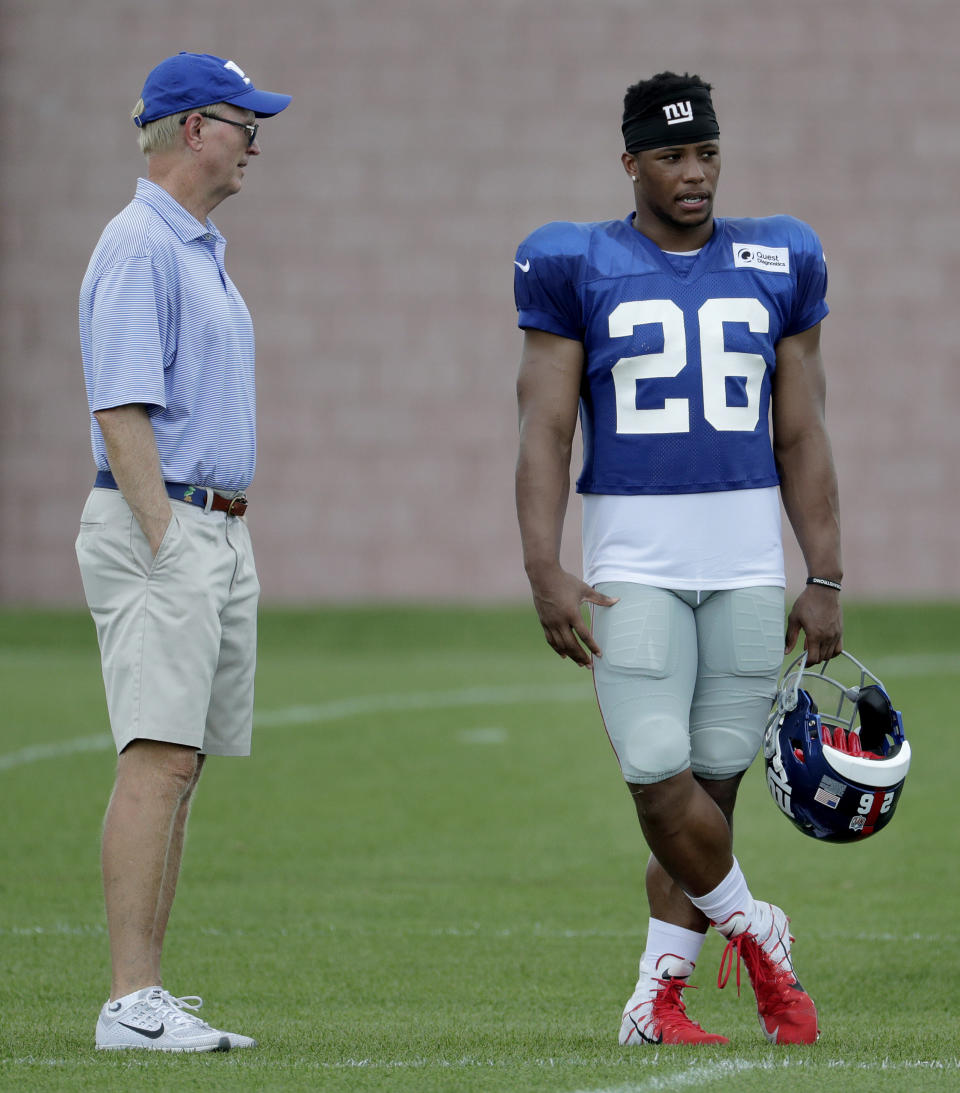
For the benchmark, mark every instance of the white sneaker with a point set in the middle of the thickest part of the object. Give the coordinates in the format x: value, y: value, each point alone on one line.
x: 157, y: 1021
x: 656, y: 1013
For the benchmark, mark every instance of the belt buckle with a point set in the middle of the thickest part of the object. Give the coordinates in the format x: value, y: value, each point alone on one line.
x: 240, y: 499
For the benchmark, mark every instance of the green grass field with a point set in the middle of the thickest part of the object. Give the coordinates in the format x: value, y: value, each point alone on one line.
x: 429, y: 876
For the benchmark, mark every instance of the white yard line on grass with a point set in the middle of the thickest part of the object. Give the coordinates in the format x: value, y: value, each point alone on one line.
x: 421, y: 700
x: 916, y: 664
x: 691, y: 1078
x: 34, y: 754
x: 701, y: 1073
x: 335, y: 710
x: 919, y: 664
x: 694, y: 1078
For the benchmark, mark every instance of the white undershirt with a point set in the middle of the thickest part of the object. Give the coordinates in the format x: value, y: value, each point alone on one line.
x: 695, y: 541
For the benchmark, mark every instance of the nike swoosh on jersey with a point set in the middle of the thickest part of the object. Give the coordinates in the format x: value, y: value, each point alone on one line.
x: 524, y: 267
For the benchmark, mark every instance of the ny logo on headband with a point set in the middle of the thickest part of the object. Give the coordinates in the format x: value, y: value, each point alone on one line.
x: 677, y: 112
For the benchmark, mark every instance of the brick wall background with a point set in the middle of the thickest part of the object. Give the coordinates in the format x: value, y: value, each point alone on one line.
x: 374, y: 243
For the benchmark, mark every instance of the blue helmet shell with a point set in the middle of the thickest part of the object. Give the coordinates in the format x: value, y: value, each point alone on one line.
x: 836, y: 757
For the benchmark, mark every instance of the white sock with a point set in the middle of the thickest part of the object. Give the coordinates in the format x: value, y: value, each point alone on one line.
x: 729, y: 897
x: 129, y: 999
x: 664, y: 937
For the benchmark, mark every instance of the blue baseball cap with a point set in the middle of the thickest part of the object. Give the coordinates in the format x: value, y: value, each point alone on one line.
x: 189, y: 80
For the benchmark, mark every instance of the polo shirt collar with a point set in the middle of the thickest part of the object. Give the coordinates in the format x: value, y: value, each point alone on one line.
x: 182, y: 222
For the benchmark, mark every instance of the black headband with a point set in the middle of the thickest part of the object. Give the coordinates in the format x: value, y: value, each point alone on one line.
x: 687, y: 117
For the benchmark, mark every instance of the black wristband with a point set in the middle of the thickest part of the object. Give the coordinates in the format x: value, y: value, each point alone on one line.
x: 823, y: 581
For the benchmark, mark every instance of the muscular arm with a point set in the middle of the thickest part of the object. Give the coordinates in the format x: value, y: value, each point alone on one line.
x: 548, y: 393
x: 135, y: 464
x: 808, y: 486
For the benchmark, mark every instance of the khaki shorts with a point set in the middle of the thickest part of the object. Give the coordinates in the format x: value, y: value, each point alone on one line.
x: 686, y: 679
x: 177, y: 633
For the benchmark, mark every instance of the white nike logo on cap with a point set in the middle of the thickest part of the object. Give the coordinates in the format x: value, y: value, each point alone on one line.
x: 524, y: 267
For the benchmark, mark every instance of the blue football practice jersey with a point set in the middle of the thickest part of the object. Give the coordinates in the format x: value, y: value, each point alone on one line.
x: 679, y: 350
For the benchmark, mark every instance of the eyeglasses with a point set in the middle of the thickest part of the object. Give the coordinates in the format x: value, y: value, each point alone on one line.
x: 251, y: 129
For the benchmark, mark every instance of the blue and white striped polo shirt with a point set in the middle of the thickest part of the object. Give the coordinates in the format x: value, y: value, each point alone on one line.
x: 162, y: 324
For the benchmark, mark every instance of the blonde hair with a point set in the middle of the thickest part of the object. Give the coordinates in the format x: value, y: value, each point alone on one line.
x: 161, y: 135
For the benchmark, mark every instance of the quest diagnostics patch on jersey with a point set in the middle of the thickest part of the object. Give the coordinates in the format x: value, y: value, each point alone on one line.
x: 769, y: 259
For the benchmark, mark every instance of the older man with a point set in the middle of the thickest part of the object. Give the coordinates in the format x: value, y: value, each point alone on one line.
x: 164, y: 549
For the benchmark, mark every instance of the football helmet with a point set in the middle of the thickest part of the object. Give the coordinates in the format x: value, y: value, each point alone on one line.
x: 836, y: 757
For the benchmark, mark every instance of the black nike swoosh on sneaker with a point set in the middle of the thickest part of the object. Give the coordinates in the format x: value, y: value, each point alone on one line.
x: 639, y: 1031
x: 151, y: 1034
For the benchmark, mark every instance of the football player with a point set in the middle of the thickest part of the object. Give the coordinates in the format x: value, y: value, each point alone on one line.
x: 689, y: 345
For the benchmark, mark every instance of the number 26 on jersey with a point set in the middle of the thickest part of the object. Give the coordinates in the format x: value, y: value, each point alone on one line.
x: 716, y: 364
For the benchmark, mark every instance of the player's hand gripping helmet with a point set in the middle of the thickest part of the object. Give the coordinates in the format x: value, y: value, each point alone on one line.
x: 836, y: 755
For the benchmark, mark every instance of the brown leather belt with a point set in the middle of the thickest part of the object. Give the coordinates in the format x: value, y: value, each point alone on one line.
x: 232, y: 506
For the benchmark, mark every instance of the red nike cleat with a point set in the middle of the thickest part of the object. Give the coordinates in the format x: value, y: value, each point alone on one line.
x: 786, y: 1012
x: 656, y: 1013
